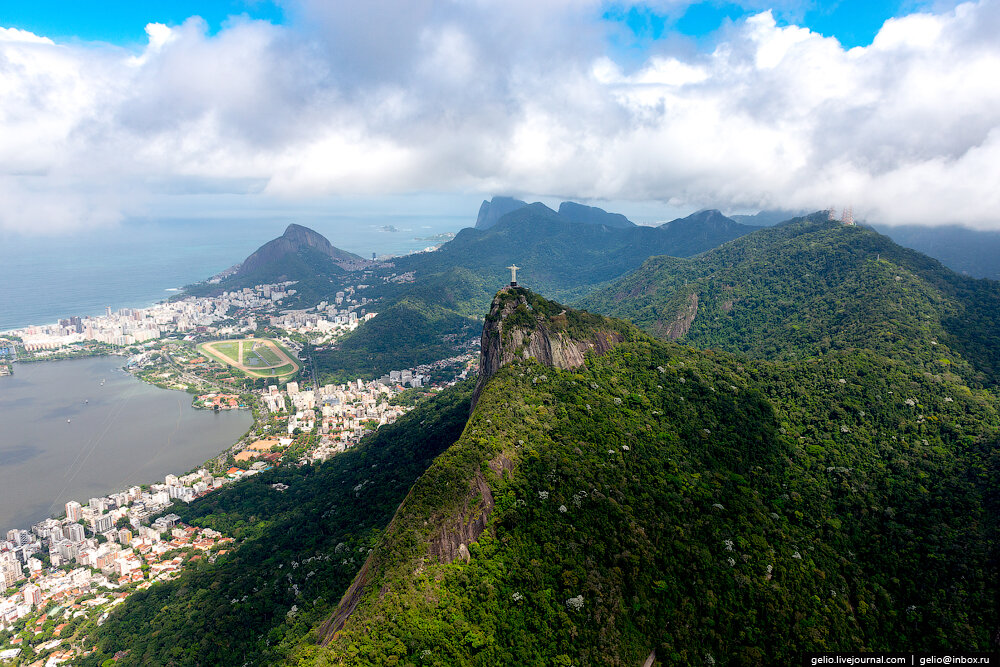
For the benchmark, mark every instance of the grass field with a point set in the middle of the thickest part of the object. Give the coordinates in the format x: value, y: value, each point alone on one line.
x: 266, y: 354
x: 257, y: 357
x: 230, y: 349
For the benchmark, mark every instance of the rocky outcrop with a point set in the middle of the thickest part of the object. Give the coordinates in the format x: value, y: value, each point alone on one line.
x: 681, y: 323
x: 348, y: 603
x: 295, y: 238
x: 514, y: 330
x: 520, y: 325
x: 452, y: 539
x: 496, y: 208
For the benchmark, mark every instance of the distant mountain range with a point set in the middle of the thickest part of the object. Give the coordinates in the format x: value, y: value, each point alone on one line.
x: 454, y: 284
x: 492, y: 211
x: 767, y: 218
x: 567, y: 254
x: 972, y: 252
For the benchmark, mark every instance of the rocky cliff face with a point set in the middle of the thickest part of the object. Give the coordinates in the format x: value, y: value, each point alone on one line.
x: 496, y: 208
x: 295, y: 238
x: 521, y: 325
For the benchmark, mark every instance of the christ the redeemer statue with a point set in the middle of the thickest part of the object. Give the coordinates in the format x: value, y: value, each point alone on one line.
x: 513, y: 274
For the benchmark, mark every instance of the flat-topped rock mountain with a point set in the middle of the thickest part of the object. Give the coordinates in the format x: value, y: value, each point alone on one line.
x: 492, y: 211
x: 496, y: 208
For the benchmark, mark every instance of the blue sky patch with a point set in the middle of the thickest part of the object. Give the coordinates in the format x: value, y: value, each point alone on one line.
x: 123, y: 22
x: 852, y: 22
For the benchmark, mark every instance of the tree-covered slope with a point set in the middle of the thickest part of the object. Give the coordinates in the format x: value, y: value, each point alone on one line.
x: 298, y: 550
x: 300, y: 254
x: 317, y: 277
x: 972, y: 252
x: 559, y: 257
x: 701, y: 231
x: 452, y: 286
x: 705, y: 506
x: 295, y: 238
x: 812, y: 286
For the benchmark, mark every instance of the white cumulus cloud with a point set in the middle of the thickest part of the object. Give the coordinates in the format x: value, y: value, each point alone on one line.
x: 515, y: 96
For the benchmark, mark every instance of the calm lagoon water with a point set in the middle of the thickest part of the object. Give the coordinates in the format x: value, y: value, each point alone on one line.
x: 65, y: 436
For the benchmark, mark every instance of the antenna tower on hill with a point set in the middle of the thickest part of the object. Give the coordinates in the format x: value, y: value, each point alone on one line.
x: 848, y: 217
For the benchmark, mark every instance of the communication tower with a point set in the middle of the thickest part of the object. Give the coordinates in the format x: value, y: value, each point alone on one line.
x: 848, y: 217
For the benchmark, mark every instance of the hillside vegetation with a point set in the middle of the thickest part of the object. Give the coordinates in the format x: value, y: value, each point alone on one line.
x: 705, y: 506
x: 418, y: 322
x: 810, y: 287
x: 813, y: 465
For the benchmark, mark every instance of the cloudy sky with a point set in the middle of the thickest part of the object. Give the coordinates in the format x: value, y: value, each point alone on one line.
x: 111, y: 111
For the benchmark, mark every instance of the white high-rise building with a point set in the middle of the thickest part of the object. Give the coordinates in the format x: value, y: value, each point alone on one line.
x: 74, y: 510
x: 32, y: 595
x: 75, y: 532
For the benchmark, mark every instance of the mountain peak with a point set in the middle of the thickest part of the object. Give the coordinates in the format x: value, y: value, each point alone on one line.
x: 708, y: 216
x: 524, y: 325
x: 295, y: 238
x: 496, y: 208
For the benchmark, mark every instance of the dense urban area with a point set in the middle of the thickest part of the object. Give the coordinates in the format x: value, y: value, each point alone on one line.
x: 63, y: 575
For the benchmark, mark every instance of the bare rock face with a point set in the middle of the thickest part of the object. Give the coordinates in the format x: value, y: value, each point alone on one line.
x: 496, y: 208
x: 684, y: 318
x: 452, y: 540
x: 513, y: 331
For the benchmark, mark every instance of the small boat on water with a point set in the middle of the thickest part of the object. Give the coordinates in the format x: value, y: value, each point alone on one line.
x: 68, y: 420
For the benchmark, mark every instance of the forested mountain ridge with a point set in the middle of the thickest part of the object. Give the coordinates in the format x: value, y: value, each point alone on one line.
x: 655, y: 498
x: 829, y: 484
x: 453, y: 286
x: 702, y: 506
x: 295, y: 238
x: 810, y: 286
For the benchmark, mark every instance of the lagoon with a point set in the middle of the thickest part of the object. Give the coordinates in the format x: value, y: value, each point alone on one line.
x: 66, y: 436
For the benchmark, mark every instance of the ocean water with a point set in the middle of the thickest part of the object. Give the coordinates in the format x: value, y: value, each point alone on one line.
x: 66, y: 436
x: 43, y: 279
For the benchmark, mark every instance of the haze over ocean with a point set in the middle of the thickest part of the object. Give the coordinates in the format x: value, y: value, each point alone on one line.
x: 43, y: 279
